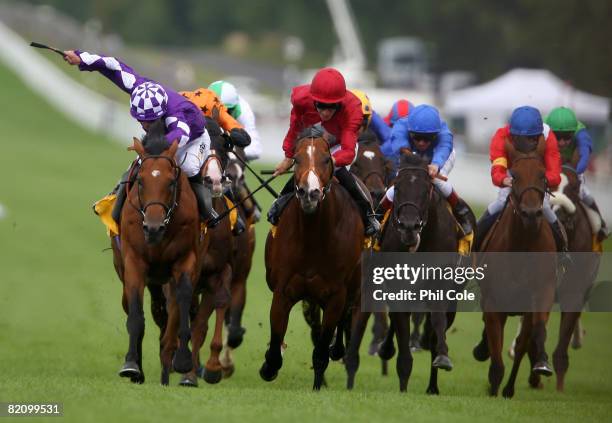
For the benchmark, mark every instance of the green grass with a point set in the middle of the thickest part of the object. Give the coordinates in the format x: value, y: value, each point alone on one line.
x: 63, y: 336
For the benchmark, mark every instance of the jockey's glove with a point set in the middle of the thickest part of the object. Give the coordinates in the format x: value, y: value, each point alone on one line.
x: 240, y: 137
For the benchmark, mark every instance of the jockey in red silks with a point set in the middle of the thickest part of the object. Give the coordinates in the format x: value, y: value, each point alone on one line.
x: 525, y: 122
x: 327, y: 101
x: 150, y: 102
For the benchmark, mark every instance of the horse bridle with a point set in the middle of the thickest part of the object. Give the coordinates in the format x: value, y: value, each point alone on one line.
x: 327, y: 186
x: 169, y: 210
x: 540, y: 190
x: 422, y: 219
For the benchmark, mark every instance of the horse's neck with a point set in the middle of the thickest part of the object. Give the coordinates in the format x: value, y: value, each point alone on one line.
x: 519, y: 239
x: 579, y: 231
x: 322, y: 221
x: 439, y: 225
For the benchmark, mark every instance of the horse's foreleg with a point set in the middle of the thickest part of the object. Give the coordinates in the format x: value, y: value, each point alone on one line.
x: 235, y: 330
x: 199, y: 329
x: 279, y: 319
x: 332, y: 314
x: 169, y: 341
x: 351, y: 360
x: 312, y: 316
x: 401, y: 323
x: 541, y: 365
x: 520, y: 348
x: 494, y: 326
x: 415, y: 334
x: 133, y: 292
x: 439, y: 324
x: 184, y: 291
x: 560, y: 356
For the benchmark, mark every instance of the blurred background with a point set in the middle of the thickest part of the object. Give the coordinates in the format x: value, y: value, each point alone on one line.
x: 476, y: 60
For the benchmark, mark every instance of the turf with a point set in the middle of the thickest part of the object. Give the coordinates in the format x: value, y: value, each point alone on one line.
x: 63, y: 336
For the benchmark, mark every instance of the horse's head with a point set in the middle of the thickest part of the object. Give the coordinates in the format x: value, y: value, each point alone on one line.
x: 313, y: 170
x: 413, y: 192
x: 372, y: 168
x: 528, y: 177
x: 567, y: 196
x: 157, y: 183
x: 235, y: 169
x: 217, y: 159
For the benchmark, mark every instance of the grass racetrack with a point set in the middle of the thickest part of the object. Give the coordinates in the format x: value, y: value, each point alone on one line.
x: 63, y: 336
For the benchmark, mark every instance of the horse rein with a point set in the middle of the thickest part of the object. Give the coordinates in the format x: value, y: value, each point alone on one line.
x: 540, y: 190
x: 169, y: 210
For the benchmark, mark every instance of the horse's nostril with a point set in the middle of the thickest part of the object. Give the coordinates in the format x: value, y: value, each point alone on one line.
x: 315, y: 194
x: 301, y: 192
x: 208, y: 180
x: 539, y: 213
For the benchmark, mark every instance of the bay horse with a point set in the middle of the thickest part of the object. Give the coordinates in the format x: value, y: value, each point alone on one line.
x: 158, y: 246
x: 520, y: 229
x: 420, y: 221
x: 315, y: 254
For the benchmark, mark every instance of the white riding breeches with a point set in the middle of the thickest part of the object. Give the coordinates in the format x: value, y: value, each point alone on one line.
x: 191, y: 156
x: 500, y: 202
x: 585, y: 194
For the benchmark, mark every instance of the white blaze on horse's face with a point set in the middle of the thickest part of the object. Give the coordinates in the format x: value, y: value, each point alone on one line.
x: 155, y: 173
x: 369, y: 155
x: 310, y: 191
x: 215, y: 175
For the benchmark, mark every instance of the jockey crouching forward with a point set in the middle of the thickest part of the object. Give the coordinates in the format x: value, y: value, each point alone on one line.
x: 425, y: 135
x: 525, y: 122
x: 326, y: 100
x: 573, y: 137
x: 149, y: 103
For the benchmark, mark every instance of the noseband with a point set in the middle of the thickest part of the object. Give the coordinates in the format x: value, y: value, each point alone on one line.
x: 540, y: 190
x: 396, y: 209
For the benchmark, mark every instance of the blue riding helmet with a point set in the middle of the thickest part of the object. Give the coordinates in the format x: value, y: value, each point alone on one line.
x: 424, y: 119
x: 526, y: 121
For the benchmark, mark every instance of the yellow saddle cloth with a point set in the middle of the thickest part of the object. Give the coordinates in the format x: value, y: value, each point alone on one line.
x: 103, y: 208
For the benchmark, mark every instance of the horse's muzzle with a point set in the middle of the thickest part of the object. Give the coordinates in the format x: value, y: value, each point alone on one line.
x: 153, y: 233
x: 309, y: 199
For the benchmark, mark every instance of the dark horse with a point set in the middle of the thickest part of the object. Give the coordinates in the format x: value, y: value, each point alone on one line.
x: 421, y: 222
x: 159, y: 245
x: 315, y: 254
x: 520, y: 229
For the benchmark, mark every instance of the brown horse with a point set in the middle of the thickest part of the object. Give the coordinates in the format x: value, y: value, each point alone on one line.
x: 159, y: 245
x: 520, y: 229
x: 421, y: 222
x: 315, y: 253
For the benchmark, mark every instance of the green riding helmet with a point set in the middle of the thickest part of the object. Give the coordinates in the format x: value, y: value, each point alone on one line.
x: 562, y: 119
x: 228, y: 95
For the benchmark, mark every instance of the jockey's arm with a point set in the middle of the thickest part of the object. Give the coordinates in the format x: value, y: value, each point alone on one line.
x: 552, y: 161
x: 444, y: 146
x: 584, y: 144
x: 497, y: 155
x: 118, y: 72
x: 177, y: 129
x: 247, y: 119
x: 348, y: 138
x: 380, y: 128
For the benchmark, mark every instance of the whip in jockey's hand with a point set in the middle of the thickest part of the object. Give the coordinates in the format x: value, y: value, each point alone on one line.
x: 283, y: 166
x: 433, y: 170
x: 71, y: 57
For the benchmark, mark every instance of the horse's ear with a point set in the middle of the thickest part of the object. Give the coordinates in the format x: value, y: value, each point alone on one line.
x: 405, y: 151
x: 541, y: 148
x: 137, y: 147
x: 171, y: 152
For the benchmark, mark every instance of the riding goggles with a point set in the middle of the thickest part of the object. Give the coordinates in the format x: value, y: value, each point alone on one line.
x: 327, y: 106
x: 564, y: 135
x: 427, y: 137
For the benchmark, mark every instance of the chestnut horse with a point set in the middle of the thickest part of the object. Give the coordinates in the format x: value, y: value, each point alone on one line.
x: 520, y: 229
x: 315, y: 254
x: 159, y: 246
x: 420, y: 222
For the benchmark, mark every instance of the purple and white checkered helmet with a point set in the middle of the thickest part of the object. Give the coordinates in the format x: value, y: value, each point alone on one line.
x: 149, y: 101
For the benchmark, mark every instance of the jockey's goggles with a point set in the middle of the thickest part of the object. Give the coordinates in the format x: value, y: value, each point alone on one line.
x: 327, y: 106
x: 427, y: 137
x: 564, y: 135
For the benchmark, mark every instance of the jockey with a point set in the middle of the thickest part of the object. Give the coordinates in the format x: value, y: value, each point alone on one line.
x: 151, y: 102
x: 208, y: 101
x: 526, y: 122
x: 426, y: 135
x: 240, y: 110
x: 399, y: 110
x: 371, y: 119
x: 326, y: 100
x: 572, y: 136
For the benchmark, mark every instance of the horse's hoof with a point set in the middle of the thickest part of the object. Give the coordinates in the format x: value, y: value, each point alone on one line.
x: 235, y: 337
x: 432, y: 390
x: 534, y: 381
x: 319, y: 382
x: 373, y: 348
x: 182, y: 363
x: 228, y: 371
x: 267, y: 373
x: 130, y: 369
x: 415, y: 345
x: 189, y: 382
x: 165, y: 377
x: 442, y: 362
x: 542, y: 368
x: 481, y: 352
x: 139, y: 380
x: 508, y: 392
x: 386, y: 353
x: 212, y: 376
x: 336, y: 352
x: 350, y: 381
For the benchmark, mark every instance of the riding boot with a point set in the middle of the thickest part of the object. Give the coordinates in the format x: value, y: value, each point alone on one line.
x: 604, y: 232
x: 277, y: 207
x: 121, y: 194
x: 347, y: 180
x: 204, y: 198
x: 561, y: 242
x: 461, y: 211
x: 239, y: 226
x: 483, y: 226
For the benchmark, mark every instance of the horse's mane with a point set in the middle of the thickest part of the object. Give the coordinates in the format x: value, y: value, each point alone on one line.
x: 411, y: 161
x: 154, y: 141
x: 311, y: 132
x: 367, y: 138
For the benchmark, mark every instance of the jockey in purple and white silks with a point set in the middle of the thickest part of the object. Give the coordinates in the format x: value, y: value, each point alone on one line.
x: 150, y: 102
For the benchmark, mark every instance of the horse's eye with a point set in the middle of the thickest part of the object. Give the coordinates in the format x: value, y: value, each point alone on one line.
x: 327, y: 160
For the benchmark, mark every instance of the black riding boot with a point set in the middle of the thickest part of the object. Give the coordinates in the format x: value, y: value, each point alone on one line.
x: 483, y: 227
x: 204, y: 198
x: 560, y: 237
x: 277, y: 207
x: 462, y: 213
x: 121, y: 193
x: 347, y: 180
x: 239, y: 226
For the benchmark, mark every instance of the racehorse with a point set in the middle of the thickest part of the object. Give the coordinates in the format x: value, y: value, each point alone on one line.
x: 520, y: 229
x: 419, y: 221
x: 159, y: 245
x: 314, y: 254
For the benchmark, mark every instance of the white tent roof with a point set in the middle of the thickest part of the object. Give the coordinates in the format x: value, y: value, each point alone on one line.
x: 535, y: 87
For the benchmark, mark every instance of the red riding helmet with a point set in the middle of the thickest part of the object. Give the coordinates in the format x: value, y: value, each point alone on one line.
x: 328, y: 86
